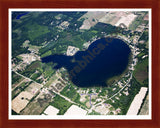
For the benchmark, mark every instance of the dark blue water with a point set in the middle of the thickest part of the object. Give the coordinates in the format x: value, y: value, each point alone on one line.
x: 19, y: 16
x: 103, y: 59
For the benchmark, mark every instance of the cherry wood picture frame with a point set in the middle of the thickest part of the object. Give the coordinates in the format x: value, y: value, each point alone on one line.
x: 4, y: 79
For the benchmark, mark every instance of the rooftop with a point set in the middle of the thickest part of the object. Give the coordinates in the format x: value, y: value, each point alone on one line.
x: 50, y: 110
x: 75, y: 110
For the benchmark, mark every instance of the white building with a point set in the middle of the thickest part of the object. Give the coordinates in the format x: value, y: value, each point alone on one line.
x: 50, y: 110
x: 75, y: 110
x: 137, y: 101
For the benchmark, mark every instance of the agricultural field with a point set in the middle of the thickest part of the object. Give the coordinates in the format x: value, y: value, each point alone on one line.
x: 47, y: 46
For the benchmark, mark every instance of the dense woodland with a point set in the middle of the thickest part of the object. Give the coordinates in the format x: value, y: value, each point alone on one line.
x: 39, y: 27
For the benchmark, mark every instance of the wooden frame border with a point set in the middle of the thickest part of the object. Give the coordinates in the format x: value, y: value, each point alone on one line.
x: 6, y: 4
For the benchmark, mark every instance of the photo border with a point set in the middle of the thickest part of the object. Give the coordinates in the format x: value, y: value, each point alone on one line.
x: 95, y: 117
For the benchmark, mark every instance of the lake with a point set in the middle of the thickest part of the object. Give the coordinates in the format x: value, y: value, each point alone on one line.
x: 104, y: 59
x: 20, y: 15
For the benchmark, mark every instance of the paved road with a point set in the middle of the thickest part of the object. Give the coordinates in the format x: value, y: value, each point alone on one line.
x: 66, y: 98
x: 18, y: 84
x: 27, y: 78
x: 121, y: 88
x: 126, y: 83
x: 115, y: 93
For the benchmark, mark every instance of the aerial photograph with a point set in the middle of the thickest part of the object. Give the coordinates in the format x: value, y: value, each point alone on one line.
x: 92, y: 63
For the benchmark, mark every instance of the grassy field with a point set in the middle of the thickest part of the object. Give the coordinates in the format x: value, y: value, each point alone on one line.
x: 34, y: 108
x: 16, y: 79
x: 145, y: 107
x: 61, y: 104
x: 36, y: 30
x: 136, y: 22
x: 51, y: 80
x: 40, y: 68
x: 94, y: 113
x: 141, y: 71
x: 70, y: 92
x: 19, y: 89
x: 47, y: 53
